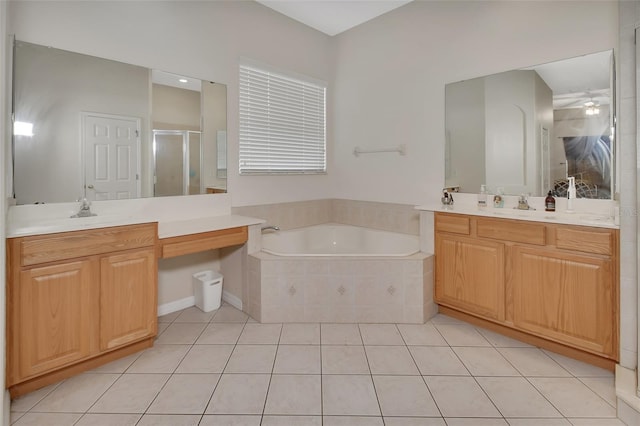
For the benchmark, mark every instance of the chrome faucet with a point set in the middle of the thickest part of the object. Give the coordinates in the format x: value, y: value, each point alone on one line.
x: 270, y: 227
x: 85, y: 209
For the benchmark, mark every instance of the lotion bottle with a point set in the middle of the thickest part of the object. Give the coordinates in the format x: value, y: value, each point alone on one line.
x: 571, y: 193
x: 482, y: 196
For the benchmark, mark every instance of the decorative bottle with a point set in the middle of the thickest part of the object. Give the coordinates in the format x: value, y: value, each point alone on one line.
x: 550, y: 203
x: 482, y: 196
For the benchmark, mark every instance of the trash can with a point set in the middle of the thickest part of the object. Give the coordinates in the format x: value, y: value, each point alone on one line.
x: 207, y: 290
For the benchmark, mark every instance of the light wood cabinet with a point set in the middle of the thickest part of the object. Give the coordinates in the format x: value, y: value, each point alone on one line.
x: 78, y: 299
x: 474, y: 282
x: 565, y: 297
x: 553, y: 285
x: 56, y: 323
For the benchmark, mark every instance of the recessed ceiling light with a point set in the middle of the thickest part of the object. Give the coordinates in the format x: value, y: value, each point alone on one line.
x: 183, y: 80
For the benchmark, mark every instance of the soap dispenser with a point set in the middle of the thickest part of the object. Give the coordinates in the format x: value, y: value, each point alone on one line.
x: 482, y: 196
x: 571, y: 193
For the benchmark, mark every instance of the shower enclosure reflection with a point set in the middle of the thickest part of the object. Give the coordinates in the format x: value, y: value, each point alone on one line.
x: 178, y: 162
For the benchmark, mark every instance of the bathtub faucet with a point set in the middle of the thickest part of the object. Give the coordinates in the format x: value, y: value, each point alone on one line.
x: 272, y: 227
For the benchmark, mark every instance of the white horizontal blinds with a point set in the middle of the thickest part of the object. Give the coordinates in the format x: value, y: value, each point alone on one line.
x: 282, y: 123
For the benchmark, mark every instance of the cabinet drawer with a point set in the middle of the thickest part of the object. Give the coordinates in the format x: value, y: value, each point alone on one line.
x: 586, y: 241
x: 70, y: 245
x: 453, y: 223
x: 516, y: 231
x: 178, y: 246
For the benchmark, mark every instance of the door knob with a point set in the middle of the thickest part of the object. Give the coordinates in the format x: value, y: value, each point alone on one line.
x: 90, y: 186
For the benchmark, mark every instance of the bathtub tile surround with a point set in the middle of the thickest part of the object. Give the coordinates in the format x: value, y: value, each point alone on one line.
x: 340, y: 290
x: 331, y: 374
x: 401, y: 218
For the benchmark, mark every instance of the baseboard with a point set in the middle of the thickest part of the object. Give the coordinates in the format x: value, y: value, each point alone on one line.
x: 176, y: 305
x: 626, y: 389
x: 231, y: 299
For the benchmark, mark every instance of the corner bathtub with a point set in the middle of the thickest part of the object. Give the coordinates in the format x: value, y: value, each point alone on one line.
x: 339, y: 240
x: 339, y: 274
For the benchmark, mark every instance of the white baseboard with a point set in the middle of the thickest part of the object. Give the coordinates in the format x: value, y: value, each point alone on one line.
x: 176, y: 305
x: 234, y: 301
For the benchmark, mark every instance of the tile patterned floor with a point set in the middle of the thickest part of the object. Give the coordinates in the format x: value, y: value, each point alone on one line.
x: 222, y: 368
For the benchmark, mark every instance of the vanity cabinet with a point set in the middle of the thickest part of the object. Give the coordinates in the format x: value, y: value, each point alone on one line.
x: 550, y: 284
x: 78, y: 299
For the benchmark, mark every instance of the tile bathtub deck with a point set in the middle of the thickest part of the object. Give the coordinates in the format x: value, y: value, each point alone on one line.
x: 222, y: 368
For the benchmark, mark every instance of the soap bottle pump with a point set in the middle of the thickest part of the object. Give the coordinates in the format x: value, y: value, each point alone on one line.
x: 550, y: 203
x: 571, y: 193
x: 482, y: 196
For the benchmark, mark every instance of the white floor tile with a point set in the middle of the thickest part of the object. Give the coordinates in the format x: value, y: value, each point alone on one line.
x: 205, y: 359
x: 159, y: 359
x: 229, y: 314
x: 414, y: 421
x: 185, y: 394
x: 77, y: 394
x: 500, y: 341
x: 349, y: 395
x: 352, y: 421
x: 26, y: 402
x: 404, y: 396
x: 300, y: 334
x: 48, y: 419
x: 109, y: 420
x: 220, y: 334
x: 603, y: 386
x: 460, y: 397
x: 181, y: 333
x: 577, y: 368
x: 340, y: 334
x: 131, y: 393
x: 297, y: 359
x: 252, y: 359
x: 291, y: 421
x: 294, y: 395
x: 572, y: 398
x: 344, y: 360
x: 475, y: 422
x: 239, y: 394
x: 538, y: 422
x: 168, y: 420
x: 230, y: 420
x: 437, y: 361
x: 260, y: 334
x: 485, y: 362
x: 380, y: 334
x: 461, y: 335
x: 421, y: 334
x: 394, y: 360
x: 194, y: 314
x: 533, y: 362
x: 516, y: 397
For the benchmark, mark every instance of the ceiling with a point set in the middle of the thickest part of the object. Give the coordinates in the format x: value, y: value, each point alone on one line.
x: 333, y: 16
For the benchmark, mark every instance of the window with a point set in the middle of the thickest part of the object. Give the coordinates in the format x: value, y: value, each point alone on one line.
x: 282, y: 123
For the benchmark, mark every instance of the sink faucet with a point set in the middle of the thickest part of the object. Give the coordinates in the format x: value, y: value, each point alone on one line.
x: 272, y: 227
x: 447, y: 197
x: 85, y: 209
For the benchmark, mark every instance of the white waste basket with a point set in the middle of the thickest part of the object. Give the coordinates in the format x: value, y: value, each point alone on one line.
x: 207, y: 290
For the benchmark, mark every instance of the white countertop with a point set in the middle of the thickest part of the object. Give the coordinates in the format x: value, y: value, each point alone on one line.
x: 582, y: 218
x: 177, y: 228
x: 175, y: 216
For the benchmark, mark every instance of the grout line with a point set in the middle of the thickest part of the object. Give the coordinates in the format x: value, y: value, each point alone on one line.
x: 373, y: 383
x: 273, y: 366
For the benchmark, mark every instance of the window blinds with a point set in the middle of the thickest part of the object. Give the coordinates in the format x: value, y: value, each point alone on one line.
x: 282, y: 123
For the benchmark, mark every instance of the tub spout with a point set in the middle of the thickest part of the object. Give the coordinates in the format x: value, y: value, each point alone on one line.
x: 272, y: 227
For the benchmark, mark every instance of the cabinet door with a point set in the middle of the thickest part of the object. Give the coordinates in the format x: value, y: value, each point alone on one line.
x: 470, y: 275
x: 565, y: 297
x: 127, y: 298
x: 57, y: 314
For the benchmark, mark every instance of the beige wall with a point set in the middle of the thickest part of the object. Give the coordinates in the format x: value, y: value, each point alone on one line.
x: 173, y: 108
x: 214, y: 108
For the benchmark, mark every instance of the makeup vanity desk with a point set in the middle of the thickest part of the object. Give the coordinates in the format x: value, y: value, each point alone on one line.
x: 83, y: 292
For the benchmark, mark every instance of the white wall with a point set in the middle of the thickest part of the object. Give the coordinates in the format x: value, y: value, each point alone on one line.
x: 198, y: 39
x: 391, y: 72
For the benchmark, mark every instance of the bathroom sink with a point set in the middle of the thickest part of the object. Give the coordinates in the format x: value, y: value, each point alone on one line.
x: 63, y: 224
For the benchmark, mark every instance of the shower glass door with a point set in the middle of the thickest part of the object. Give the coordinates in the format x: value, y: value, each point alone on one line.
x: 178, y: 162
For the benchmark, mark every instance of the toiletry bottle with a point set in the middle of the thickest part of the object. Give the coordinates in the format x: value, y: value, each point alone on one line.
x: 498, y: 199
x: 550, y: 203
x: 571, y: 193
x: 482, y: 196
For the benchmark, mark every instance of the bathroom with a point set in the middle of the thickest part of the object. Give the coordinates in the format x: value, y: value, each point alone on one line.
x: 386, y: 86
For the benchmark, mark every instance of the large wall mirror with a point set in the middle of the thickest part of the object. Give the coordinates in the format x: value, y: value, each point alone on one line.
x: 525, y: 131
x: 95, y: 128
